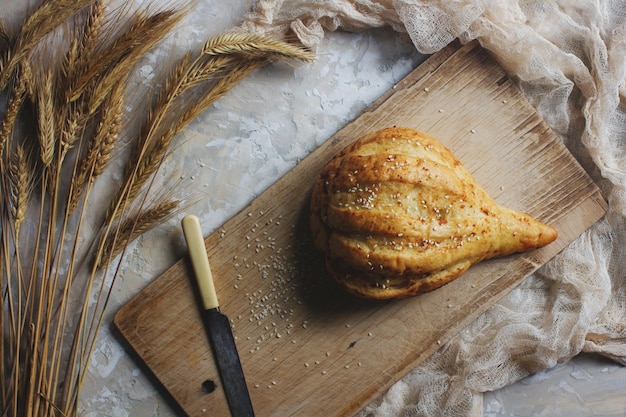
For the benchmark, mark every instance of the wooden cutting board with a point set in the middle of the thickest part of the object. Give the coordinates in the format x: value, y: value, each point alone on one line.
x: 307, y: 347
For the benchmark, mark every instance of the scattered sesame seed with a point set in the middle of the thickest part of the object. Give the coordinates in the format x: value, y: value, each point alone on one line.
x: 324, y: 372
x: 473, y: 130
x: 426, y: 89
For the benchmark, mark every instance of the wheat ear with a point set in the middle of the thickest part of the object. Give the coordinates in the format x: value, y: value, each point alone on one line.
x: 72, y: 129
x: 150, y: 161
x: 185, y: 75
x: 134, y: 226
x: 100, y: 148
x: 5, y: 39
x: 15, y: 100
x: 156, y: 27
x: 45, y: 117
x: 200, y: 72
x: 42, y: 21
x: 21, y: 186
x: 151, y: 157
x: 149, y: 151
x: 113, y: 64
x: 218, y: 90
x: 89, y: 39
x: 238, y: 43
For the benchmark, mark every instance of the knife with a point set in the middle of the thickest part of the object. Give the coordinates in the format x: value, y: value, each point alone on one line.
x: 217, y: 325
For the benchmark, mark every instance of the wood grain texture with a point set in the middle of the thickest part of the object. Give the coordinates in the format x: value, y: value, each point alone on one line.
x: 307, y: 347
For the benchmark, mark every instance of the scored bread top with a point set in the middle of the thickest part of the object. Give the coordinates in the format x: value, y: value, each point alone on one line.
x: 398, y: 206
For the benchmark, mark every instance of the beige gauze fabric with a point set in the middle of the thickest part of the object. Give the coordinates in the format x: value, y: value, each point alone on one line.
x: 569, y: 59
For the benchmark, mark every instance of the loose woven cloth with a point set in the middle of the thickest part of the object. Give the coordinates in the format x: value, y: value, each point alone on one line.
x: 568, y: 57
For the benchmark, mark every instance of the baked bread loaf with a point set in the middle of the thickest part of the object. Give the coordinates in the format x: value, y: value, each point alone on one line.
x: 396, y: 215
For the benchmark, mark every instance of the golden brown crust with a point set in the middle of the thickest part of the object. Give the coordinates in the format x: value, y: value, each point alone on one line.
x: 396, y: 215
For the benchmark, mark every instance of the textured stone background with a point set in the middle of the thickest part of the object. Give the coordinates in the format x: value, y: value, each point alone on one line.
x: 244, y: 143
